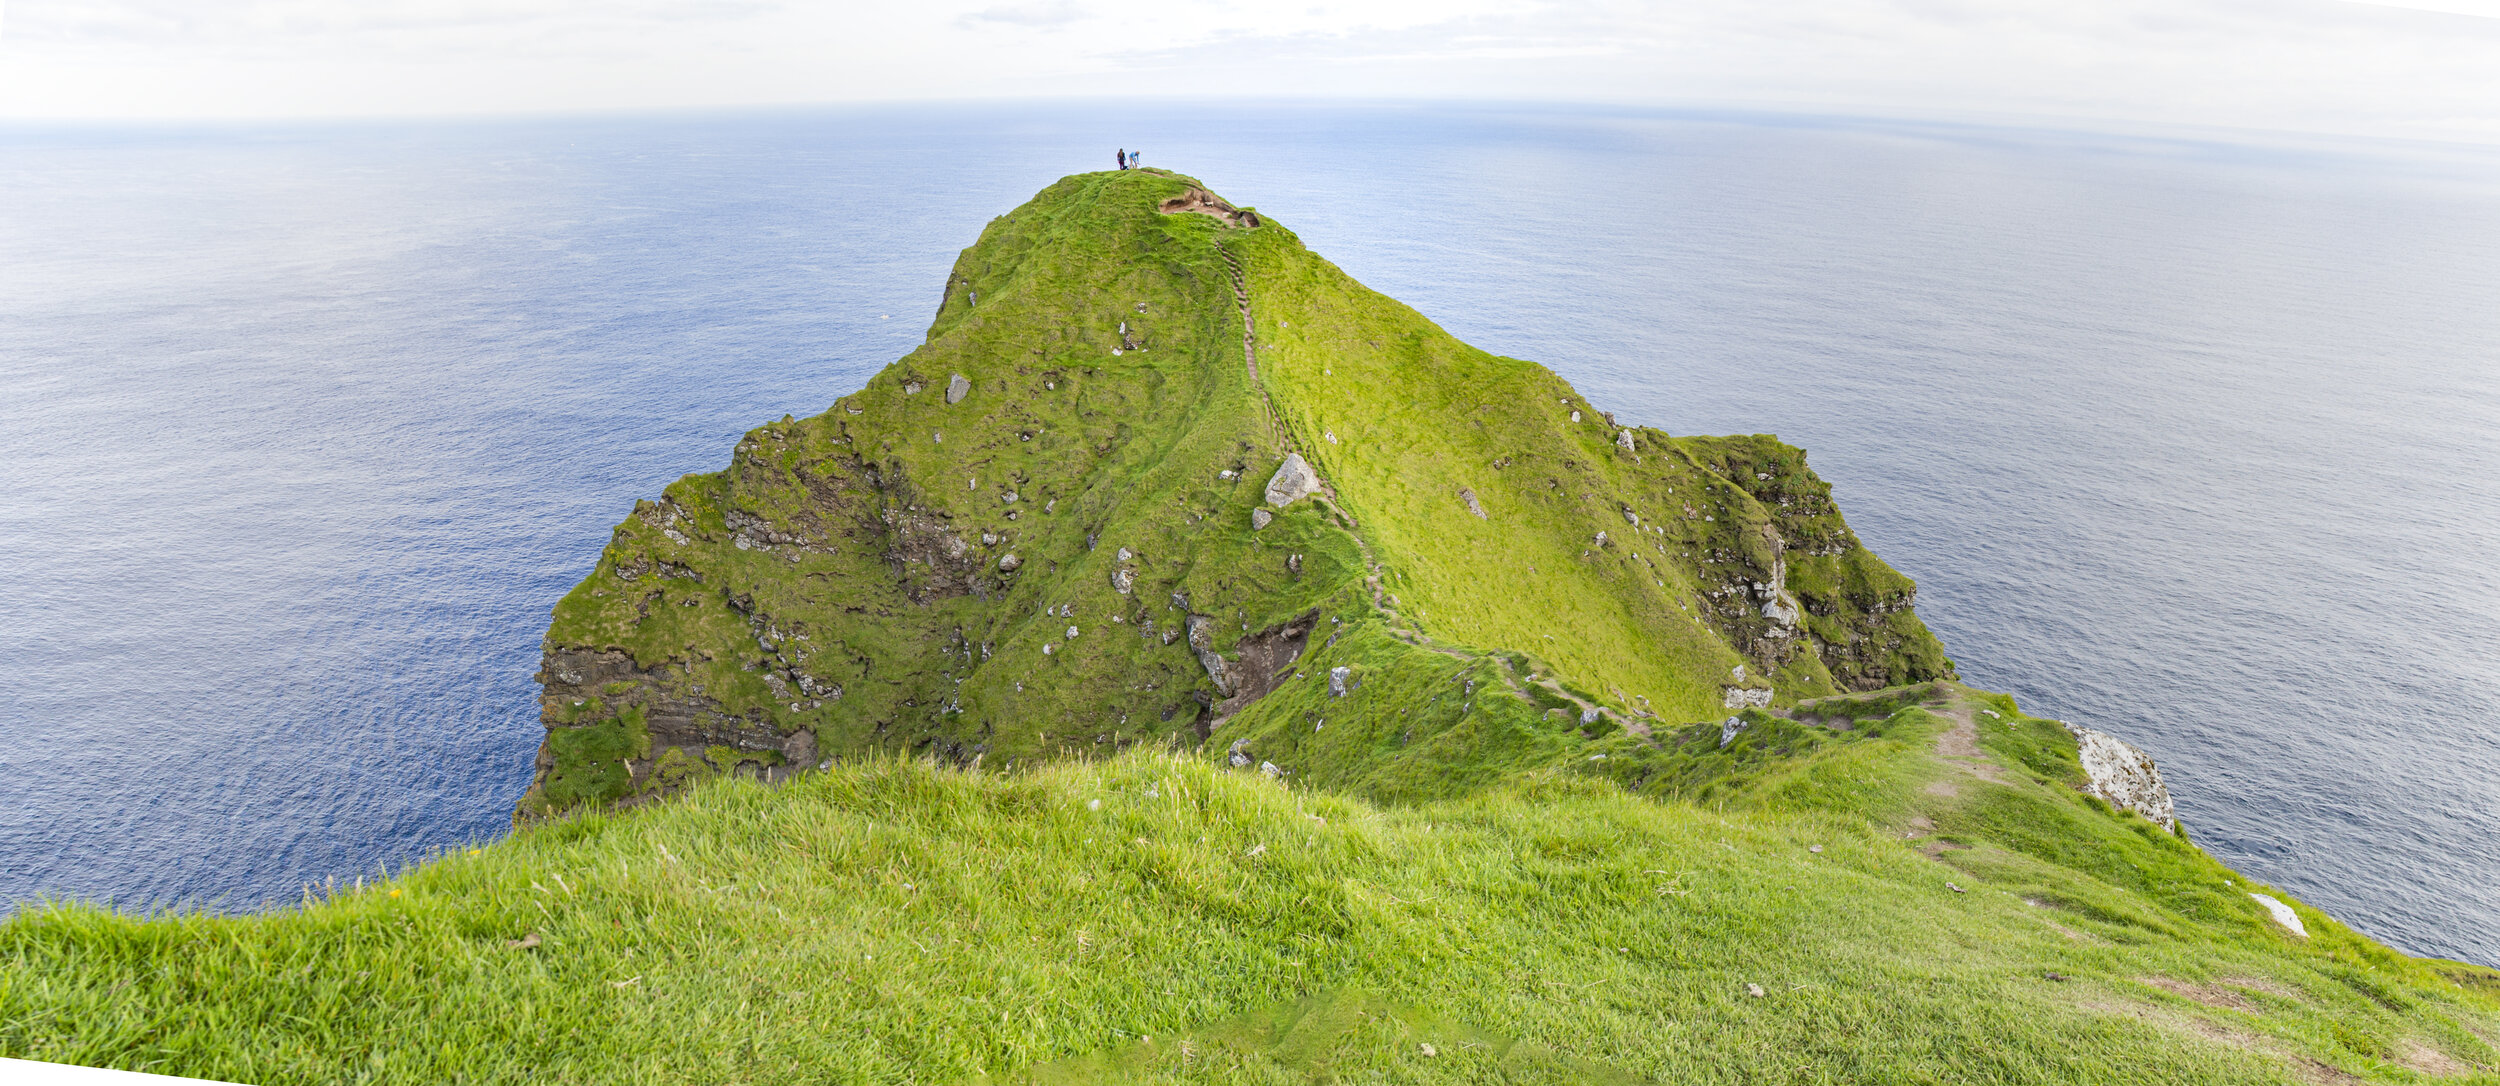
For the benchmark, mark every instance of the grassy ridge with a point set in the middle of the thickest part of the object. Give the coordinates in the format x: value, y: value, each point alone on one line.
x: 1149, y: 917
x: 1003, y: 578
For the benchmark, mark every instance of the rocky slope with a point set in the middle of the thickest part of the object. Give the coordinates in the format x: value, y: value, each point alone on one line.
x: 1161, y: 474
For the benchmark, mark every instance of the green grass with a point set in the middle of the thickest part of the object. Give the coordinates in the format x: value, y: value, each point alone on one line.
x: 1148, y: 917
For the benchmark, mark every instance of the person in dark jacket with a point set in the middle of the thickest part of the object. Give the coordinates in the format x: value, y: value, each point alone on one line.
x: 1124, y: 158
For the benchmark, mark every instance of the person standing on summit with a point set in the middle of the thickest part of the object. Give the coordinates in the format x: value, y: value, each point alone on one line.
x: 1124, y: 158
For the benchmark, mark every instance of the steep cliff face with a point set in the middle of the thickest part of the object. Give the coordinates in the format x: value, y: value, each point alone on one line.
x: 1068, y: 523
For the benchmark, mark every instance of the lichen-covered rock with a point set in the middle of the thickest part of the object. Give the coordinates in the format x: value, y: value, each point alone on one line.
x: 2123, y: 776
x: 1292, y: 482
x: 1742, y: 697
x: 957, y: 387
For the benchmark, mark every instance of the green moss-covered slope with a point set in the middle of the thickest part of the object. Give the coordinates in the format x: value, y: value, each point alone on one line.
x: 1033, y: 537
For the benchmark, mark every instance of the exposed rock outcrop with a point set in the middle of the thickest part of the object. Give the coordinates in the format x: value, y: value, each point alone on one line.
x: 1740, y: 697
x: 1261, y: 662
x: 2123, y: 776
x: 1200, y: 201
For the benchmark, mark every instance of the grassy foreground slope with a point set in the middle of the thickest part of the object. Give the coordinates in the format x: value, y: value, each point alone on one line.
x: 1150, y: 917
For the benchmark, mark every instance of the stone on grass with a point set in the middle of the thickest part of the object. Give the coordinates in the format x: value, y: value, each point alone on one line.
x: 1729, y: 728
x: 2123, y: 776
x: 2283, y: 914
x: 957, y: 388
x: 1293, y: 481
x: 1260, y: 518
x: 1337, y: 681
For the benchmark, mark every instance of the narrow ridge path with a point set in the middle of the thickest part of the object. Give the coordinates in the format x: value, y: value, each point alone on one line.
x: 1250, y: 348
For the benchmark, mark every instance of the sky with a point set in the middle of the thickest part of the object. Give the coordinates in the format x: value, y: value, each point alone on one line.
x: 2420, y: 70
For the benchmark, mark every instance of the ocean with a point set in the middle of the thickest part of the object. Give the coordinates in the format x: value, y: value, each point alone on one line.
x: 2191, y: 438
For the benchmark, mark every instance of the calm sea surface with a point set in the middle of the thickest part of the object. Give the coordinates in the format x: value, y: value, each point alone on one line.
x: 304, y: 429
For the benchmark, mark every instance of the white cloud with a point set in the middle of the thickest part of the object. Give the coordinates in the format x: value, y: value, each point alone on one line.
x: 2411, y: 69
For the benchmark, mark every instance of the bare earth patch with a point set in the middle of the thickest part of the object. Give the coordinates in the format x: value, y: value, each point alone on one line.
x: 2211, y: 995
x: 2430, y: 1061
x: 1960, y: 745
x: 2061, y: 929
x: 2220, y: 1033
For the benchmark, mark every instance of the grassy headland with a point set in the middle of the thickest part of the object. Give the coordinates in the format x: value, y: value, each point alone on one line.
x: 1131, y: 774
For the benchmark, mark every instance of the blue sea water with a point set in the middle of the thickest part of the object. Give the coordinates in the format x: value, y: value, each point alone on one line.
x: 304, y: 428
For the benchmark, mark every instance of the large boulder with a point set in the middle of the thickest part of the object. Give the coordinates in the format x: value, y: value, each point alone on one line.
x: 1294, y: 480
x: 2123, y: 776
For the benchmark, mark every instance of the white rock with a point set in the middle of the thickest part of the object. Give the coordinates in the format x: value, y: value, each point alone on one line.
x: 1728, y: 729
x: 1259, y: 518
x: 957, y: 388
x: 1337, y: 681
x: 1739, y: 697
x: 1623, y: 440
x: 2283, y: 914
x: 1293, y: 481
x: 2123, y: 776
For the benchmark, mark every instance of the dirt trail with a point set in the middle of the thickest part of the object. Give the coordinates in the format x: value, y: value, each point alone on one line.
x: 1250, y: 348
x: 1959, y: 746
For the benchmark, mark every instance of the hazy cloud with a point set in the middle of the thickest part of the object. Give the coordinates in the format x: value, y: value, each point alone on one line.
x: 2411, y: 69
x: 1027, y: 15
